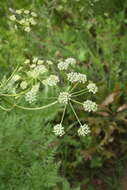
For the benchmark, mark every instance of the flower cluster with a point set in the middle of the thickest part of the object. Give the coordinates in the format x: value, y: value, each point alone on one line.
x: 23, y: 85
x: 76, y: 77
x: 39, y: 69
x: 90, y: 106
x: 24, y: 18
x: 36, y: 74
x: 52, y: 80
x: 32, y: 94
x: 64, y: 97
x: 63, y: 65
x: 84, y: 130
x: 92, y: 88
x: 58, y: 130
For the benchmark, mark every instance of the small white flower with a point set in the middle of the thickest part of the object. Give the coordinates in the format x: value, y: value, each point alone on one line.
x: 52, y: 80
x: 18, y: 11
x: 22, y: 21
x: 27, y: 29
x: 27, y: 23
x: 13, y: 18
x: 26, y: 11
x: 64, y: 97
x: 84, y: 130
x: 63, y: 65
x: 33, y: 66
x: 40, y: 62
x: 16, y: 78
x: 89, y: 106
x: 33, y: 14
x: 27, y: 61
x: 32, y: 21
x: 40, y: 69
x: 35, y: 59
x: 49, y: 62
x: 32, y: 74
x: 23, y: 85
x: 92, y: 88
x: 58, y: 130
x: 70, y: 61
x: 31, y: 96
x: 76, y: 77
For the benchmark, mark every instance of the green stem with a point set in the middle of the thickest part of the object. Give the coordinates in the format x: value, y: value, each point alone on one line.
x: 75, y: 113
x: 38, y: 108
x: 80, y: 91
x: 6, y: 109
x: 63, y: 114
x: 79, y: 94
x: 76, y: 101
x: 73, y: 87
x: 12, y: 74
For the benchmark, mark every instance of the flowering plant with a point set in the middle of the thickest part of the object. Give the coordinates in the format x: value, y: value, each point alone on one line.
x: 24, y: 19
x: 33, y: 76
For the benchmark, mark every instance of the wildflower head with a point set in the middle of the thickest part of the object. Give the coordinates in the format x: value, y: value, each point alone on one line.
x: 76, y: 77
x: 31, y: 96
x: 52, y: 80
x: 24, y: 19
x: 70, y: 61
x: 23, y: 85
x: 63, y: 65
x: 90, y: 106
x: 92, y: 87
x: 58, y: 130
x: 84, y: 130
x: 16, y: 78
x: 64, y: 97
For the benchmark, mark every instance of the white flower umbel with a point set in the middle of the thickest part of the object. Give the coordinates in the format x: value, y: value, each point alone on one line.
x: 58, y: 130
x: 70, y: 61
x: 76, y: 77
x: 90, y: 106
x: 31, y: 96
x: 24, y: 19
x: 92, y: 88
x: 64, y: 97
x: 38, y: 70
x: 84, y: 130
x: 63, y: 65
x: 23, y: 85
x: 52, y: 80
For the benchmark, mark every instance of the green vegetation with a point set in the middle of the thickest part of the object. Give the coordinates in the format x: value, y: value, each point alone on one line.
x: 32, y: 157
